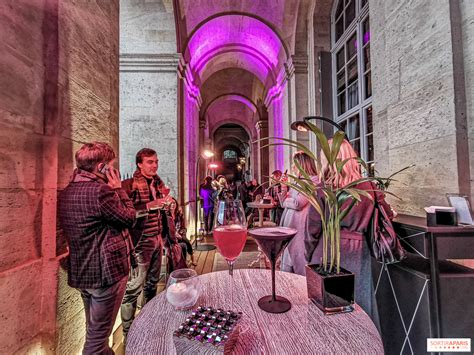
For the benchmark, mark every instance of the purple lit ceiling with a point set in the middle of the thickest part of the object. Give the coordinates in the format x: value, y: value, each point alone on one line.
x: 236, y: 50
x: 248, y: 40
x: 281, y: 14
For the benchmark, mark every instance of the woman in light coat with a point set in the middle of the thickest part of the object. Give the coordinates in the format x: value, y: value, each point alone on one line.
x: 295, y: 215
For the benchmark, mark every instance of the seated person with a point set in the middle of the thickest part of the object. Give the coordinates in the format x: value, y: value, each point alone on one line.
x: 180, y: 229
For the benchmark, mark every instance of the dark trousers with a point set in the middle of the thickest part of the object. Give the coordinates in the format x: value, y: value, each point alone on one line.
x: 101, y: 306
x: 208, y: 218
x: 145, y: 276
x: 275, y: 215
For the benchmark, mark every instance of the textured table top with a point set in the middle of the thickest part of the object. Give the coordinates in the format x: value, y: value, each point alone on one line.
x: 260, y: 205
x: 302, y: 330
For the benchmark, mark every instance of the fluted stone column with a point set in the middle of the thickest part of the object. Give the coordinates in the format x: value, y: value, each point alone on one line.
x: 263, y: 153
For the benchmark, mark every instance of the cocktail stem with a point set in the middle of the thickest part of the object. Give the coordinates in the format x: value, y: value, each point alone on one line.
x: 231, y: 275
x: 273, y: 262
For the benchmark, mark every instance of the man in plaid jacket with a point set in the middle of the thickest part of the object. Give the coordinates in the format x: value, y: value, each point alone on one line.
x: 94, y: 213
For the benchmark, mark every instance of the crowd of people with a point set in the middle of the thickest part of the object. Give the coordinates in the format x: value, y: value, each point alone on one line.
x: 292, y: 209
x: 117, y: 230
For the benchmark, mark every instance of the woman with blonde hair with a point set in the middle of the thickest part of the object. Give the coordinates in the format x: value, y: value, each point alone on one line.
x: 355, y: 255
x: 296, y: 207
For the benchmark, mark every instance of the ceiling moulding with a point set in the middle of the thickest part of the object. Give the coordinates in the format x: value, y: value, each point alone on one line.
x: 286, y: 73
x: 187, y: 76
x: 151, y: 63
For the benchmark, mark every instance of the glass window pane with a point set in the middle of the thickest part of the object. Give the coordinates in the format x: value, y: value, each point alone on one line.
x: 352, y: 71
x: 339, y: 28
x: 341, y: 103
x: 352, y: 95
x: 340, y: 59
x: 370, y: 147
x: 368, y: 117
x: 367, y: 58
x: 343, y: 124
x: 350, y: 12
x: 341, y: 81
x: 351, y: 46
x: 356, y: 146
x: 367, y: 85
x: 366, y: 31
x: 340, y: 7
x: 354, y: 127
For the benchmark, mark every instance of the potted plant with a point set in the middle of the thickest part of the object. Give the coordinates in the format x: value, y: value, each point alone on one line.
x: 330, y: 287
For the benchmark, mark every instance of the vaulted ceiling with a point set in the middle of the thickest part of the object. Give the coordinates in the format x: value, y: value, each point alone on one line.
x: 236, y: 49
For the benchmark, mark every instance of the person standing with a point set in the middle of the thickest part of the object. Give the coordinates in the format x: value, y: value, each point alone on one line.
x: 295, y: 215
x: 273, y: 191
x: 144, y: 190
x: 206, y: 192
x: 94, y: 212
x: 355, y: 254
x: 243, y: 193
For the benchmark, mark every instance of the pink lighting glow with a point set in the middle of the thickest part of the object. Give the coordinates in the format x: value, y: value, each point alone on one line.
x: 253, y: 41
x: 278, y: 129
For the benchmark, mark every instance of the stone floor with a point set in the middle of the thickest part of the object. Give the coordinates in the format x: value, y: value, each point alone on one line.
x: 207, y: 261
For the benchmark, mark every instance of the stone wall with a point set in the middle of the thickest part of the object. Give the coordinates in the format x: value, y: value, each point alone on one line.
x: 88, y: 81
x: 59, y: 88
x: 414, y: 101
x: 148, y: 86
x: 467, y: 18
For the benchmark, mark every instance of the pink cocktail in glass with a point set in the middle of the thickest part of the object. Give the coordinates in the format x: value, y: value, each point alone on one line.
x: 230, y: 240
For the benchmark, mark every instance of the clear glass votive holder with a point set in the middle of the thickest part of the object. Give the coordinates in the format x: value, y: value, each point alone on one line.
x: 183, y: 289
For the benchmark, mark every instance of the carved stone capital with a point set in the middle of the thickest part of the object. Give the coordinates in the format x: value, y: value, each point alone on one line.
x: 261, y: 125
x: 300, y: 62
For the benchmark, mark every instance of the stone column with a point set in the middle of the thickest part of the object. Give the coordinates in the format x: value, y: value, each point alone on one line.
x: 201, y: 146
x: 148, y: 86
x: 263, y: 153
x: 148, y: 112
x: 300, y: 63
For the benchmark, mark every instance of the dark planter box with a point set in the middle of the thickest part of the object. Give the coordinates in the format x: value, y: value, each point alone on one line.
x: 332, y: 293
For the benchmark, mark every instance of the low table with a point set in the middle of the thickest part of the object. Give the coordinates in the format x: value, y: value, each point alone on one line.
x: 304, y: 329
x: 261, y: 209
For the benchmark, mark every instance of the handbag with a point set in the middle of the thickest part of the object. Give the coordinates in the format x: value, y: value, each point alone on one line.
x: 176, y: 259
x: 384, y: 244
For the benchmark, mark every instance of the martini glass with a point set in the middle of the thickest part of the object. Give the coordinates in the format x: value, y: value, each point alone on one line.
x: 230, y: 233
x: 272, y: 241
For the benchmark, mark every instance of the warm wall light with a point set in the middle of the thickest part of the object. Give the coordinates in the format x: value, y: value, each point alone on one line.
x: 302, y: 126
x: 213, y: 166
x: 207, y: 153
x: 299, y: 126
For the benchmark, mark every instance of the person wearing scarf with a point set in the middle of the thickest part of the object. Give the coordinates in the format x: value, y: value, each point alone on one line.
x: 144, y: 190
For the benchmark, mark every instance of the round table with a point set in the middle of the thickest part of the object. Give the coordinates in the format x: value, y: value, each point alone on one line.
x: 261, y: 209
x: 304, y: 329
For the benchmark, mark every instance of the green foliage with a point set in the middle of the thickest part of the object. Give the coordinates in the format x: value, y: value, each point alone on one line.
x: 337, y: 201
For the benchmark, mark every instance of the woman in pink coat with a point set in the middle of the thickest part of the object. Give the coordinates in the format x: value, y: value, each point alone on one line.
x: 355, y: 255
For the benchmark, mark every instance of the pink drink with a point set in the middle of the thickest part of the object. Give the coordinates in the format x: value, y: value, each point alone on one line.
x: 230, y: 240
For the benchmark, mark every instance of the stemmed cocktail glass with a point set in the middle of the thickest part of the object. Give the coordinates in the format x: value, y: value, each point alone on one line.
x: 272, y: 241
x: 230, y: 232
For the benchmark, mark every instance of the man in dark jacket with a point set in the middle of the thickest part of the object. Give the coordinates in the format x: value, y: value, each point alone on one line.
x: 94, y: 213
x: 144, y: 190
